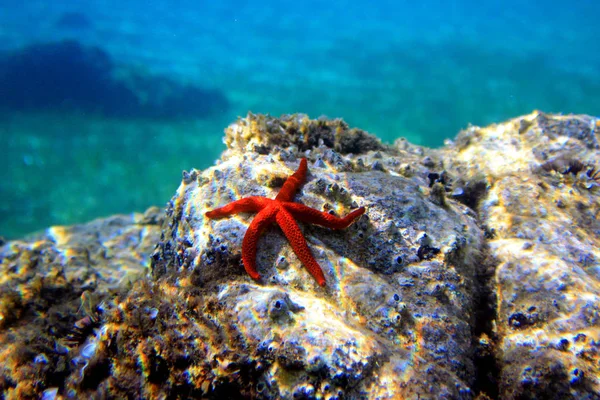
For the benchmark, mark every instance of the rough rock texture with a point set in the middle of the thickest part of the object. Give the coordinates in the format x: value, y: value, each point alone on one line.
x: 50, y: 282
x: 541, y: 214
x: 395, y: 318
x: 473, y: 273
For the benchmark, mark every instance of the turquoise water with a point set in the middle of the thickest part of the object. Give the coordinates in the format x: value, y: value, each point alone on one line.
x: 103, y: 103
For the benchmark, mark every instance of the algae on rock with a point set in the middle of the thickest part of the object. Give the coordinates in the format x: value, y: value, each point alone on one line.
x: 395, y: 317
x: 542, y: 215
x: 473, y: 273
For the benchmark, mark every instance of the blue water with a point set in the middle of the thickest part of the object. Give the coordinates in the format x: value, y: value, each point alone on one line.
x: 103, y: 103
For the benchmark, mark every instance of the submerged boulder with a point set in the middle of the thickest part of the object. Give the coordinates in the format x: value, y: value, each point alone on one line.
x: 541, y: 215
x: 395, y: 315
x: 54, y: 287
x: 471, y: 274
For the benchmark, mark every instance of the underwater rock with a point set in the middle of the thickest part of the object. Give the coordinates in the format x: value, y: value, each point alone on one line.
x: 52, y: 290
x: 541, y: 214
x: 394, y: 318
x: 472, y: 274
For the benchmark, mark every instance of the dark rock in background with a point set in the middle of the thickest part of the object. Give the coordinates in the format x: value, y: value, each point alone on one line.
x: 68, y: 76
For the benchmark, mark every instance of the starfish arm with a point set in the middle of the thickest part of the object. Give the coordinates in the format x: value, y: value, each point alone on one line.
x: 248, y: 204
x: 255, y: 230
x: 294, y: 235
x: 293, y: 183
x: 310, y: 215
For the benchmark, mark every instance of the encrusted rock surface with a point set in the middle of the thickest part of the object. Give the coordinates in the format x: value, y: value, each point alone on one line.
x: 399, y: 281
x: 474, y: 272
x: 50, y: 282
x: 541, y: 214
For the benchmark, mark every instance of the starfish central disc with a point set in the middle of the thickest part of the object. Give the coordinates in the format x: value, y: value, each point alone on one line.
x: 283, y: 211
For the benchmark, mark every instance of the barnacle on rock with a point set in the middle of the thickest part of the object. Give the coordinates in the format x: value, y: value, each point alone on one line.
x: 471, y: 191
x: 442, y: 178
x: 564, y: 164
x: 581, y: 174
x: 86, y: 325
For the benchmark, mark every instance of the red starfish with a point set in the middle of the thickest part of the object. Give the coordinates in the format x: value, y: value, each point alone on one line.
x: 285, y: 212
